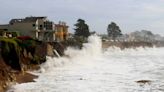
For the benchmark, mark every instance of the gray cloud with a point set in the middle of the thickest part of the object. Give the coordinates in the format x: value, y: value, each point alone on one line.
x: 130, y: 15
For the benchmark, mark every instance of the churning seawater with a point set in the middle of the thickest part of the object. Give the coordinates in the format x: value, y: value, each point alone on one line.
x: 94, y: 69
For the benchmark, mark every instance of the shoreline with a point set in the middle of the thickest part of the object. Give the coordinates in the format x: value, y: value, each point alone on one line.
x: 21, y: 78
x: 25, y: 77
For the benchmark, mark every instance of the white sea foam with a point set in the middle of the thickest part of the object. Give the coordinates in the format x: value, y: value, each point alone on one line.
x: 91, y: 70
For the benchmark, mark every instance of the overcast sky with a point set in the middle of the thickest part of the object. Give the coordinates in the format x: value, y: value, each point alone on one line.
x: 130, y: 15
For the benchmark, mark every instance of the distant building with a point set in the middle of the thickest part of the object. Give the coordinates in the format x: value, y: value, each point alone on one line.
x: 61, y: 32
x: 36, y: 27
x: 3, y: 29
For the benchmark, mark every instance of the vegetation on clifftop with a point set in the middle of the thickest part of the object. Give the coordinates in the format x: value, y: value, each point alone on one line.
x: 18, y: 51
x: 10, y: 52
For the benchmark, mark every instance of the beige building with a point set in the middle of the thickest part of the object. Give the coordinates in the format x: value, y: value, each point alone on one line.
x: 38, y: 28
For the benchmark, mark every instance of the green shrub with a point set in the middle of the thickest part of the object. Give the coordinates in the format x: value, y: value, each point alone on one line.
x: 10, y: 52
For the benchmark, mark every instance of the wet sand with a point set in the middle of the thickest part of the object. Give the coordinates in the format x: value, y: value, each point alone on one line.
x: 21, y: 78
x: 26, y: 77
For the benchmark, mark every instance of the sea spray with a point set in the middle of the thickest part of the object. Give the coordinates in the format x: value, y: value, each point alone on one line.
x: 114, y: 70
x: 92, y: 48
x: 89, y: 51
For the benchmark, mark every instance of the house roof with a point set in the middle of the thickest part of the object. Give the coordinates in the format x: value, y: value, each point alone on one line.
x: 33, y: 18
x: 26, y: 19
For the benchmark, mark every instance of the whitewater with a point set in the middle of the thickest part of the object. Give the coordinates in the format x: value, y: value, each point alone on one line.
x: 96, y: 69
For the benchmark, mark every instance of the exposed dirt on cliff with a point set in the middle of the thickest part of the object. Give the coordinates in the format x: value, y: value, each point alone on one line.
x: 18, y: 55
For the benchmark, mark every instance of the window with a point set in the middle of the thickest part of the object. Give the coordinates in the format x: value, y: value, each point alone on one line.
x: 6, y: 29
x: 44, y: 24
x: 33, y: 25
x: 41, y: 27
x: 11, y: 23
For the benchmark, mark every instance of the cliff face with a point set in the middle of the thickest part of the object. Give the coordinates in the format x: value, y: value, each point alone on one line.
x: 5, y: 75
x: 23, y: 53
x: 10, y: 53
x: 18, y: 55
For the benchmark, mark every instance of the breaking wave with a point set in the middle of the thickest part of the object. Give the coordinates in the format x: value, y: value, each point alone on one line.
x: 92, y: 69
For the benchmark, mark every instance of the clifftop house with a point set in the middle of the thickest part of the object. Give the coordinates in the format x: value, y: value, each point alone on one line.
x: 37, y: 27
x: 61, y: 32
